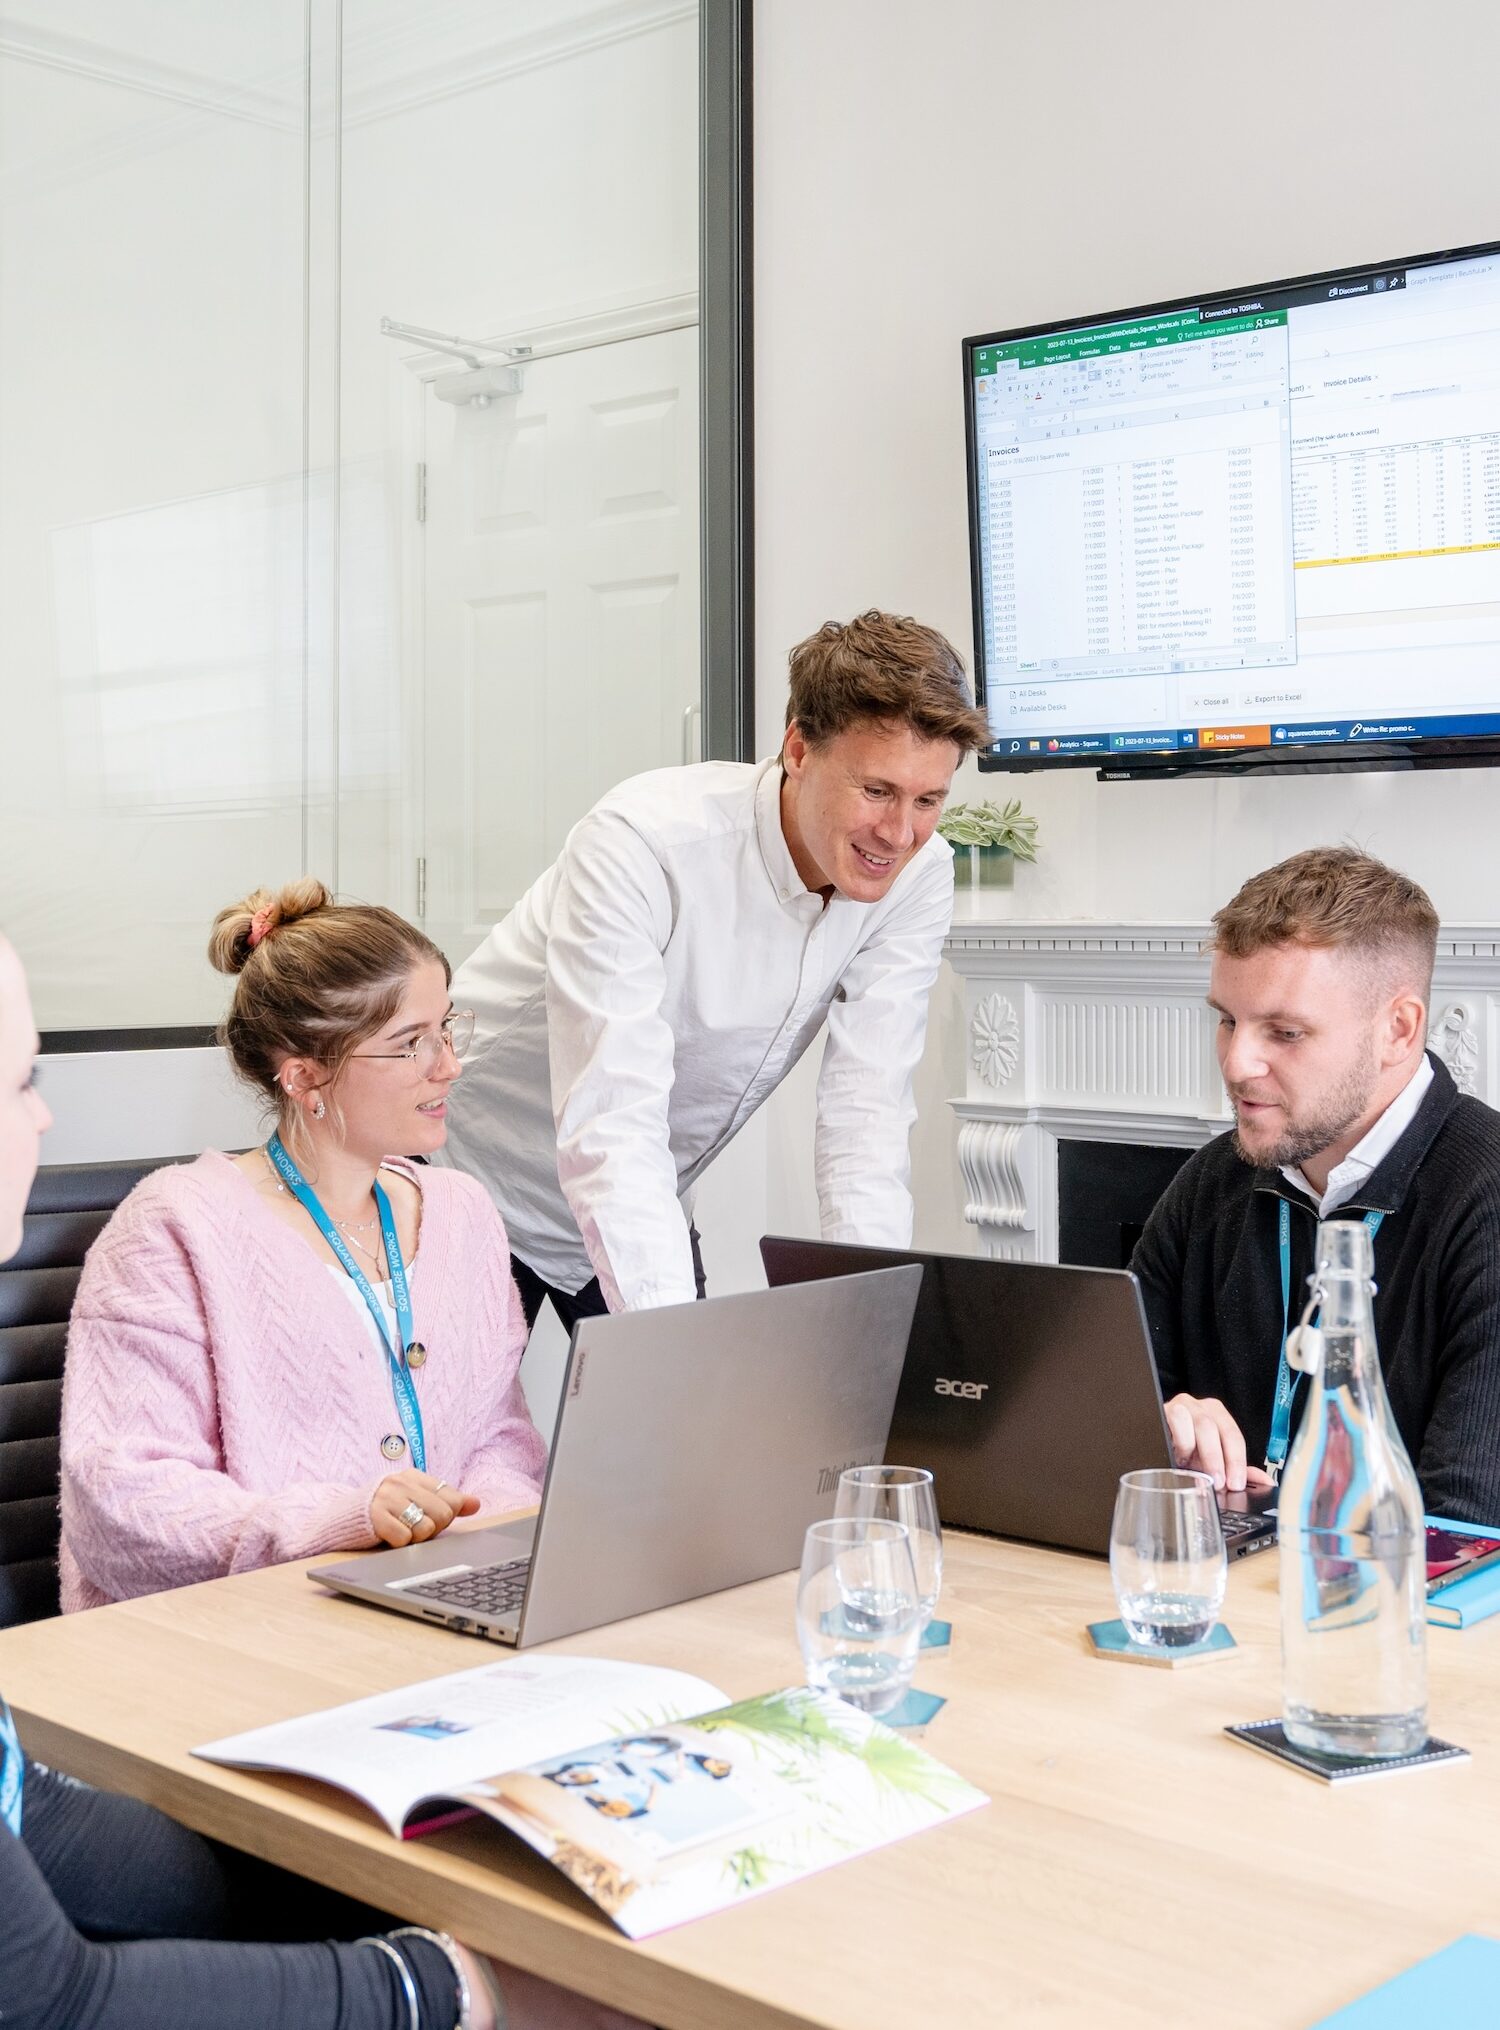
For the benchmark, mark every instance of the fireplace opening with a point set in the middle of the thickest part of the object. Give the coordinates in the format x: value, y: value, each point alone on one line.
x: 1105, y: 1192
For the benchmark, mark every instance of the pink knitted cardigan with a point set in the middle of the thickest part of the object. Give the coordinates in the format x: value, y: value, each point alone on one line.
x: 223, y: 1402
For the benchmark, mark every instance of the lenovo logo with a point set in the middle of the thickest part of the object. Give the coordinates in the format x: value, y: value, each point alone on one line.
x: 970, y: 1391
x: 830, y: 1476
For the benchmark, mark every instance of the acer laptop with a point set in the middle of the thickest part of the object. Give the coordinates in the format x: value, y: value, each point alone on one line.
x: 1029, y: 1389
x: 693, y: 1447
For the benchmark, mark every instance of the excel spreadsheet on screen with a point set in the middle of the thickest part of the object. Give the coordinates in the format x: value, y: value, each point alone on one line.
x: 1260, y: 522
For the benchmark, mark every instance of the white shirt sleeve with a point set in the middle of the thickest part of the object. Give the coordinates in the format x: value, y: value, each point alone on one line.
x: 876, y: 1028
x: 610, y: 1053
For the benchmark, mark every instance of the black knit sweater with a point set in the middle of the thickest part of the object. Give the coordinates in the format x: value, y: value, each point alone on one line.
x: 1209, y: 1266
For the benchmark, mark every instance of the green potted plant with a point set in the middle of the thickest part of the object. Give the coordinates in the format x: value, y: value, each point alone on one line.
x: 987, y: 840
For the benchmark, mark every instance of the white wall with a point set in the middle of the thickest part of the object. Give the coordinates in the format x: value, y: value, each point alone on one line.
x: 920, y: 176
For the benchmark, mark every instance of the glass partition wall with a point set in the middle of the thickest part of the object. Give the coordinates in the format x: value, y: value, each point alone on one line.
x: 349, y: 461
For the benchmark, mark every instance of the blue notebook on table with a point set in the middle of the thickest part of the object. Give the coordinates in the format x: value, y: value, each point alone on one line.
x: 1466, y: 1600
x: 1455, y: 1989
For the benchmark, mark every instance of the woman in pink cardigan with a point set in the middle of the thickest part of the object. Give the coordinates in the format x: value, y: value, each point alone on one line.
x: 234, y: 1395
x: 158, y: 1902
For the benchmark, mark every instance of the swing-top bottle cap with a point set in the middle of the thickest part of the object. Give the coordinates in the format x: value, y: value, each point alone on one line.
x: 1345, y: 1248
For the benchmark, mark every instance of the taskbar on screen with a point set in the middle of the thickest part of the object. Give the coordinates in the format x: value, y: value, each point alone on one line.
x: 1035, y: 748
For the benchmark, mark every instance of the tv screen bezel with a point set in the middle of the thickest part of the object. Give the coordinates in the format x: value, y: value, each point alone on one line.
x: 1343, y: 757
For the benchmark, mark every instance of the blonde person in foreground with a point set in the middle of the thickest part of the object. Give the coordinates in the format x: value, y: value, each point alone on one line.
x: 113, y: 1917
x: 312, y: 1346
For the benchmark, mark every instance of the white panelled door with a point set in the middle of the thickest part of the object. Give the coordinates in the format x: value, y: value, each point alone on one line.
x: 561, y: 599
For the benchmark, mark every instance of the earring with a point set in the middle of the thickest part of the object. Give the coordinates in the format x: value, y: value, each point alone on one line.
x: 319, y: 1110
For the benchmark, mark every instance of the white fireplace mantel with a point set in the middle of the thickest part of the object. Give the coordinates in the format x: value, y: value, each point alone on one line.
x: 1100, y: 1032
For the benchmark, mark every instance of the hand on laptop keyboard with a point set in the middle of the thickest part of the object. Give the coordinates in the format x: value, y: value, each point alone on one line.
x: 1206, y: 1439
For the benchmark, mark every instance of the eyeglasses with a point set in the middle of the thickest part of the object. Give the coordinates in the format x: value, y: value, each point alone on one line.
x: 455, y: 1033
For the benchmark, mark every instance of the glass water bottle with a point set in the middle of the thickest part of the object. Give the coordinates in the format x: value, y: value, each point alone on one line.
x: 1353, y: 1541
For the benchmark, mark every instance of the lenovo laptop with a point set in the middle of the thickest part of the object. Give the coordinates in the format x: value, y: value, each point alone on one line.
x: 693, y: 1447
x: 1029, y: 1389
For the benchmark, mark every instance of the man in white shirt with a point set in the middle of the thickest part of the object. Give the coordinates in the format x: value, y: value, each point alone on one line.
x: 1321, y: 972
x: 698, y: 930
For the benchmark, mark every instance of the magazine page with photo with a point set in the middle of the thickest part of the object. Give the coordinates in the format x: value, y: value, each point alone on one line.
x: 651, y: 1792
x: 664, y: 1826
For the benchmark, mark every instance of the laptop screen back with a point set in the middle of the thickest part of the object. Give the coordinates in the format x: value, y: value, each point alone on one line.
x: 696, y: 1443
x: 1028, y: 1388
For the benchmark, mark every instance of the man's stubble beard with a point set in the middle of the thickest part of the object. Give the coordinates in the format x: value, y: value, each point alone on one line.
x: 1301, y: 1139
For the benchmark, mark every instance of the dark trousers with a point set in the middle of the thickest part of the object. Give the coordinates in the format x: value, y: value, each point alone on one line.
x: 93, y: 1870
x: 571, y: 1305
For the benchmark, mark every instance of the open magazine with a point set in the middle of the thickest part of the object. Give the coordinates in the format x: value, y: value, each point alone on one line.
x: 660, y: 1800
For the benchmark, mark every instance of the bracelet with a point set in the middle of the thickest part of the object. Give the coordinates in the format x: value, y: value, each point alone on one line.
x: 408, y: 1985
x: 496, y: 1993
x: 448, y: 1947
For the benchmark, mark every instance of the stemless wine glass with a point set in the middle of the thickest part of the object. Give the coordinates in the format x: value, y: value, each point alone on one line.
x: 859, y: 1619
x: 1166, y: 1557
x: 902, y: 1494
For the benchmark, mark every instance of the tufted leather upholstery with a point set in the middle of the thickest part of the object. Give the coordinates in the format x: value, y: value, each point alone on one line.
x: 69, y: 1206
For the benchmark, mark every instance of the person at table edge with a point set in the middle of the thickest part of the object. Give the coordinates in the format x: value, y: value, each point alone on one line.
x: 1322, y: 968
x: 699, y: 928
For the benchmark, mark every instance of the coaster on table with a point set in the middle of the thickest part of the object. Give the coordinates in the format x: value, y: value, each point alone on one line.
x: 1110, y: 1640
x: 937, y: 1635
x: 915, y: 1710
x: 1269, y: 1738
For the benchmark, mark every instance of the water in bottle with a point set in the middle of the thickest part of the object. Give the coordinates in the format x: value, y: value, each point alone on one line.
x: 1353, y: 1542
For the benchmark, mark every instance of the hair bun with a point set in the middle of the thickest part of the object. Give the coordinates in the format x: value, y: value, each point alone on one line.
x: 239, y: 929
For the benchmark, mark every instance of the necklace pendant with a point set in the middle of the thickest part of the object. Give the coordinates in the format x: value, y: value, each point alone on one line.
x: 416, y: 1354
x: 393, y: 1445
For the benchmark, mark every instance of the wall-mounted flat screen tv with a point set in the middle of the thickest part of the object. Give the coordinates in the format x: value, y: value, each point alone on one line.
x: 1249, y: 530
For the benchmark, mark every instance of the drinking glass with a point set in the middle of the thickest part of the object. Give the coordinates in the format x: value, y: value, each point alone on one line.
x: 902, y: 1494
x: 1166, y: 1557
x: 859, y: 1619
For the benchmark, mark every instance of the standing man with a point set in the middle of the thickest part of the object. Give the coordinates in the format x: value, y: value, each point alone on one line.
x: 1322, y: 968
x: 699, y: 928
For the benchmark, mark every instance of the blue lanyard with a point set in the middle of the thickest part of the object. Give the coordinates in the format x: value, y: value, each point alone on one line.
x: 12, y: 1771
x: 1286, y: 1381
x: 402, y: 1387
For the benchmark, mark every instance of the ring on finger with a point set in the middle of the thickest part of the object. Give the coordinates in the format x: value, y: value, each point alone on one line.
x: 411, y: 1515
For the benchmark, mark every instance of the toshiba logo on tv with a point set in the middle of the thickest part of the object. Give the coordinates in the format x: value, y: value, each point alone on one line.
x: 971, y: 1391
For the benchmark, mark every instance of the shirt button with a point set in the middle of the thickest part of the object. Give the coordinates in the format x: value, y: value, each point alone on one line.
x: 393, y: 1445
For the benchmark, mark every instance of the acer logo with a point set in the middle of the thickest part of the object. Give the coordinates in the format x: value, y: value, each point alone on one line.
x: 970, y: 1391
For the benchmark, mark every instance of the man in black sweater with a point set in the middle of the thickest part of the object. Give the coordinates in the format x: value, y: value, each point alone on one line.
x: 1321, y: 972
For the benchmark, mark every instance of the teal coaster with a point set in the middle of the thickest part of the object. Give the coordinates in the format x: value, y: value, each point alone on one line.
x: 1108, y: 1639
x: 834, y: 1621
x: 915, y: 1710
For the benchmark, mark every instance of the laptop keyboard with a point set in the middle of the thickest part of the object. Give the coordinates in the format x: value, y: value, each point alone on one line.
x: 486, y: 1589
x: 1235, y: 1524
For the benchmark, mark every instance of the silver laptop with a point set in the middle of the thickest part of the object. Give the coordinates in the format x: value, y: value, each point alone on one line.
x: 693, y: 1447
x: 1029, y: 1389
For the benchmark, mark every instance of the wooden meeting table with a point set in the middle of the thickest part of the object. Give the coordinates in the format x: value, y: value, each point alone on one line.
x: 1135, y: 1866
